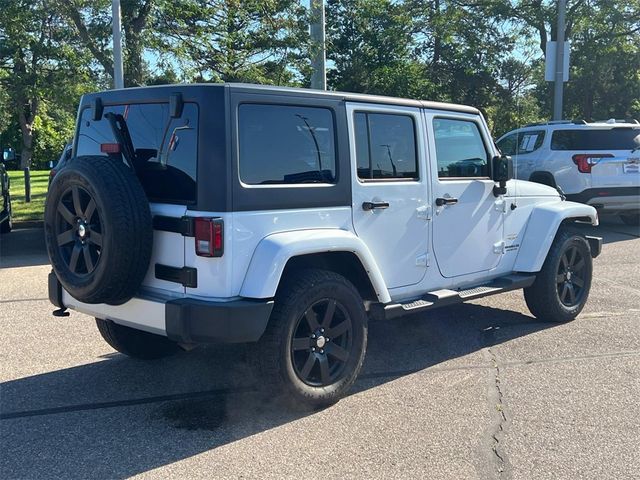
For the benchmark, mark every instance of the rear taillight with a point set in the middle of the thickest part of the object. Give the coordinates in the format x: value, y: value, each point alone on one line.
x: 586, y: 161
x: 110, y: 147
x: 209, y: 237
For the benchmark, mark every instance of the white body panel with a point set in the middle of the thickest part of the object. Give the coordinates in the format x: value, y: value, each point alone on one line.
x: 465, y: 234
x: 273, y: 252
x: 168, y: 249
x: 397, y: 236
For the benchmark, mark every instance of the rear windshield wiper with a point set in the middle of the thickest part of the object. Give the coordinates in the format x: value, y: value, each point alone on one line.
x: 121, y: 133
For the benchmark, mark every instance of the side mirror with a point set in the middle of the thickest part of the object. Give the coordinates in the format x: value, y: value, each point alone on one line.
x: 501, y: 172
x: 636, y: 140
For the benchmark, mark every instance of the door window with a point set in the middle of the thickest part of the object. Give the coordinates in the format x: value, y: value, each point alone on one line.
x: 460, y: 149
x: 385, y: 146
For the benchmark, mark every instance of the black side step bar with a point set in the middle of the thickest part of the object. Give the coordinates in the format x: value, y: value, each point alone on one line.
x: 445, y: 297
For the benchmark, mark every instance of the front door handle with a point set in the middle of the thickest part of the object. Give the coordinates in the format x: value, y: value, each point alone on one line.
x: 375, y: 205
x: 440, y: 201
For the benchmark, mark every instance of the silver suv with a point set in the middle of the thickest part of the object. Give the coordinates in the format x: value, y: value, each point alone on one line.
x: 595, y: 163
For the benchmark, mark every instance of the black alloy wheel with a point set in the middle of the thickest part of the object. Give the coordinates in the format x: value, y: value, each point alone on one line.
x: 570, y: 278
x: 79, y: 230
x: 561, y: 288
x: 322, y: 342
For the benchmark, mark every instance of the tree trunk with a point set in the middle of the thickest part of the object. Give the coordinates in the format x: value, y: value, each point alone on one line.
x: 26, y: 115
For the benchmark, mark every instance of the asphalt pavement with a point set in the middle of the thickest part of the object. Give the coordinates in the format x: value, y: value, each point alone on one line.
x: 478, y: 391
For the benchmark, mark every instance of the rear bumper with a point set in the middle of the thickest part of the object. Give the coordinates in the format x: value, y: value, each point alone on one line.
x: 186, y: 320
x: 610, y: 199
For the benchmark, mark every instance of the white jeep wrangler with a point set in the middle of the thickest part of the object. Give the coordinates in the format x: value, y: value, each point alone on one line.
x: 196, y: 214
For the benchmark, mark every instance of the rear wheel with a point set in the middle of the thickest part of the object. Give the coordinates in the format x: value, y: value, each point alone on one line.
x: 562, y: 286
x: 136, y: 343
x: 315, y: 343
x: 631, y: 219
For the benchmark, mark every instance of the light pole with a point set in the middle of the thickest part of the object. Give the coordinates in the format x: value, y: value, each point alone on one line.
x: 118, y: 79
x: 558, y: 89
x: 318, y: 57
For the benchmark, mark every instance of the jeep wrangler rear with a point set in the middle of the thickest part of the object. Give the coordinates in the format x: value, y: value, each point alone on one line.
x: 193, y: 214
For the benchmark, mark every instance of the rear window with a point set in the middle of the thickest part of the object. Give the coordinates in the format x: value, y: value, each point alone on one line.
x: 286, y: 144
x: 166, y: 148
x: 583, y: 140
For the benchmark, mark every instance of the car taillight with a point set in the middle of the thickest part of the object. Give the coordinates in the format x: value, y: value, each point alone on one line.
x: 209, y: 237
x: 585, y: 161
x: 110, y: 147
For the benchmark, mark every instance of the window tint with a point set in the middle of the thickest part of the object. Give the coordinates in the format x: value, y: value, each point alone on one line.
x: 385, y: 146
x: 460, y: 149
x: 166, y: 148
x: 609, y: 139
x: 521, y: 143
x: 286, y: 145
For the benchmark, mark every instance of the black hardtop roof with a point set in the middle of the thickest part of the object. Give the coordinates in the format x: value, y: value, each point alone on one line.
x: 191, y: 91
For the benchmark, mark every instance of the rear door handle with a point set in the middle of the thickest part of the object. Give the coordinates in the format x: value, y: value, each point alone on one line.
x: 375, y: 205
x: 440, y: 201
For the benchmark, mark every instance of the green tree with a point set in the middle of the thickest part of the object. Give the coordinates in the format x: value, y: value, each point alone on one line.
x: 232, y: 40
x: 38, y: 58
x: 91, y: 20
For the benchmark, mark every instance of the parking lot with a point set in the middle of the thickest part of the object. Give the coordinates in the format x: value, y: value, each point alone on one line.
x: 481, y: 390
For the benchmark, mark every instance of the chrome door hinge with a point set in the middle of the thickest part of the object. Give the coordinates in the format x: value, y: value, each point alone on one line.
x: 501, y: 205
x: 424, y: 212
x: 499, y: 247
x: 423, y: 260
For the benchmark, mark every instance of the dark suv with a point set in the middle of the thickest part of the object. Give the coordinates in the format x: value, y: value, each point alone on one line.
x: 5, y: 214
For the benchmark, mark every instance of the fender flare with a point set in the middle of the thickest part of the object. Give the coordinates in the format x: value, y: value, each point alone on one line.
x: 541, y: 230
x: 274, y: 251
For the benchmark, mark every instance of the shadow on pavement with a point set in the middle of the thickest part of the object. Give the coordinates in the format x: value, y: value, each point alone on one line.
x: 73, y: 422
x: 612, y: 230
x: 23, y: 247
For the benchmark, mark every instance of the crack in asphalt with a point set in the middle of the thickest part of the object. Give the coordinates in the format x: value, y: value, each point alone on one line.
x: 496, y: 457
x: 499, y: 425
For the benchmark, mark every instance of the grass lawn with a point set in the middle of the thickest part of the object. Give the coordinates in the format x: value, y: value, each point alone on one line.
x: 34, y: 210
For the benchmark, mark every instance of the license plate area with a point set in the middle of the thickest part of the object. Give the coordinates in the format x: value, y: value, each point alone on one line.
x: 632, y: 166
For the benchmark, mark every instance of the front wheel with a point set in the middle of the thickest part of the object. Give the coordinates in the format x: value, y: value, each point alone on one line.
x: 562, y: 287
x: 315, y: 343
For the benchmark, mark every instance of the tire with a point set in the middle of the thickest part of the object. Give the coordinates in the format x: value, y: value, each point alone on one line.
x: 300, y: 310
x: 561, y: 288
x: 631, y: 219
x: 98, y: 230
x: 7, y: 226
x: 136, y: 343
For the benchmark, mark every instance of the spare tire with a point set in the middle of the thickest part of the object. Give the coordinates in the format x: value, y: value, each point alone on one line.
x: 98, y: 230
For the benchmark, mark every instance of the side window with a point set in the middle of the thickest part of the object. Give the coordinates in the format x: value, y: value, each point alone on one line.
x: 460, y: 149
x: 521, y: 143
x: 283, y: 144
x: 385, y: 146
x: 530, y: 141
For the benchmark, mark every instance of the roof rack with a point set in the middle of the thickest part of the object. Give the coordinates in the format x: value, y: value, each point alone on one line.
x: 619, y: 120
x: 581, y: 121
x: 558, y: 122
